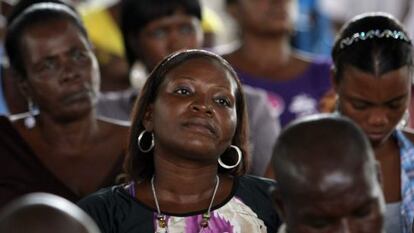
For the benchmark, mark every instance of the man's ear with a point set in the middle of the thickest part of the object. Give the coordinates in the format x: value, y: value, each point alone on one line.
x: 148, y: 118
x: 277, y: 202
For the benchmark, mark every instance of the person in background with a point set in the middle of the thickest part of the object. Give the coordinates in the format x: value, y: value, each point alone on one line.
x: 313, y: 31
x: 295, y: 83
x: 152, y: 29
x: 60, y: 146
x: 187, y: 156
x: 102, y: 23
x: 373, y: 68
x: 328, y: 179
x: 45, y: 213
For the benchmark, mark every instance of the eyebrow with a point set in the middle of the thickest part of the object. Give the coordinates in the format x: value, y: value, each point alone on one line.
x: 397, y: 98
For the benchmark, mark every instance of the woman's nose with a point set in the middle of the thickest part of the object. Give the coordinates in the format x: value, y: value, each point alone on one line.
x: 378, y: 117
x: 202, y: 106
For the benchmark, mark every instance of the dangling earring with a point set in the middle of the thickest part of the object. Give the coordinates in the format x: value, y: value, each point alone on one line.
x: 139, y: 142
x: 30, y: 120
x: 239, y: 157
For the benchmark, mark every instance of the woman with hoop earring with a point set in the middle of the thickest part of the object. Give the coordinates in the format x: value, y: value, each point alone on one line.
x: 187, y: 156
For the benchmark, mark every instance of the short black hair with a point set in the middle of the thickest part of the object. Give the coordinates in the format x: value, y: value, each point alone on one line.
x: 140, y: 165
x: 136, y: 14
x: 374, y: 55
x: 39, y: 13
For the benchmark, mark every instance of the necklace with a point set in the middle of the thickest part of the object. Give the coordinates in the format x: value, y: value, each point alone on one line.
x: 161, y: 218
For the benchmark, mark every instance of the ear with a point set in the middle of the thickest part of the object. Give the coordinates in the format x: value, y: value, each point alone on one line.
x: 24, y: 87
x: 148, y: 118
x: 277, y: 202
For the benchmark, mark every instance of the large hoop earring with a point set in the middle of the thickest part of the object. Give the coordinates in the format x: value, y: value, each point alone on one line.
x: 139, y: 142
x: 239, y: 158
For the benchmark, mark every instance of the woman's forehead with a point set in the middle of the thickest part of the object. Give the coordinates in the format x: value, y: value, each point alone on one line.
x: 203, y: 69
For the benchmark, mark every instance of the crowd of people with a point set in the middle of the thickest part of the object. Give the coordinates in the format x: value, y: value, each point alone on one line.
x: 259, y: 136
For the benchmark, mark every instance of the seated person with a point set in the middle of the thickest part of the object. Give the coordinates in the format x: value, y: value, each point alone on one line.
x: 152, y: 29
x: 45, y: 213
x: 295, y: 82
x: 187, y: 157
x: 373, y: 71
x: 63, y: 147
x: 327, y: 176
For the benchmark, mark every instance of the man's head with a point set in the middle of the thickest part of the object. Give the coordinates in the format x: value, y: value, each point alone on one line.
x: 327, y: 177
x: 45, y: 213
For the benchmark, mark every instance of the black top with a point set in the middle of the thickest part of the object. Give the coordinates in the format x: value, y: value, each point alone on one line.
x: 116, y: 211
x: 22, y: 172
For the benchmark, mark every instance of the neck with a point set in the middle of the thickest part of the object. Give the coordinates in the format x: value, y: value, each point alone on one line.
x: 386, y: 148
x: 71, y: 134
x: 266, y: 51
x: 196, y: 181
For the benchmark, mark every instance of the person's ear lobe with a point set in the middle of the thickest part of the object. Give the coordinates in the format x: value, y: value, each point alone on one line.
x: 24, y: 86
x: 148, y: 118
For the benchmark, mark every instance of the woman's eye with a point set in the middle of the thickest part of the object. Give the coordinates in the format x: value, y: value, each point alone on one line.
x: 158, y: 33
x: 187, y: 29
x: 48, y: 65
x: 78, y: 55
x: 223, y: 101
x: 182, y: 91
x: 319, y: 223
x: 394, y: 104
x: 359, y: 105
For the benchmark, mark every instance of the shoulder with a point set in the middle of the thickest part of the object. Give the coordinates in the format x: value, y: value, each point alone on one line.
x: 409, y: 133
x: 255, y: 98
x: 260, y: 183
x: 115, y: 123
x: 114, y: 210
x: 106, y: 198
x: 105, y: 206
x: 117, y: 105
x: 256, y: 193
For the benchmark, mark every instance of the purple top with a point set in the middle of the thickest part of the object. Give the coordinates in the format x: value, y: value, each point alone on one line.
x: 297, y: 97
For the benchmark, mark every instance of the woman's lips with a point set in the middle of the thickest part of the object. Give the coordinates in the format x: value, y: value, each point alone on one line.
x: 201, y: 126
x: 376, y: 136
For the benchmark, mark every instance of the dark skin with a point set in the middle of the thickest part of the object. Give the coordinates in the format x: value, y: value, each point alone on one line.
x: 332, y: 187
x: 165, y: 35
x: 265, y: 40
x: 343, y: 199
x: 378, y: 112
x: 68, y: 136
x: 194, y: 120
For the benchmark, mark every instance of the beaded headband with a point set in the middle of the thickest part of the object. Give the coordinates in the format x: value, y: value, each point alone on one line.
x: 387, y: 33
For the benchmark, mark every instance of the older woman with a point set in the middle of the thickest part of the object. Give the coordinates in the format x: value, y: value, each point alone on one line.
x: 372, y: 76
x: 64, y: 149
x: 187, y: 156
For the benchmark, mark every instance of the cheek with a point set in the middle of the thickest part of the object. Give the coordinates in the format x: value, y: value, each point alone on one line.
x: 232, y: 122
